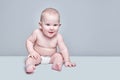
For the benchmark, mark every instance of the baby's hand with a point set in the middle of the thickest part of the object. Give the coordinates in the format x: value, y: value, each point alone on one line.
x: 33, y: 55
x: 70, y: 64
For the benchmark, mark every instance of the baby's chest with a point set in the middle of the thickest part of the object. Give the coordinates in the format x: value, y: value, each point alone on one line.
x: 47, y: 43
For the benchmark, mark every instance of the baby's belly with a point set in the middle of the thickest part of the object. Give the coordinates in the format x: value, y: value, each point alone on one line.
x: 45, y: 51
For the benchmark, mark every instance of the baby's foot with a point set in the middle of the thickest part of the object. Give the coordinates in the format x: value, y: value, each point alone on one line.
x: 57, y: 67
x: 30, y: 69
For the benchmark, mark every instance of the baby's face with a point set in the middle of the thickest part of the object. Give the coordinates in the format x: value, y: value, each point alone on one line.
x: 50, y: 25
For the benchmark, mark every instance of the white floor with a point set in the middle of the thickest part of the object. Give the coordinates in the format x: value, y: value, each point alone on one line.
x: 88, y: 68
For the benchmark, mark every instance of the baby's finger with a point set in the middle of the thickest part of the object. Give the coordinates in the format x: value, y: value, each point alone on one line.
x: 69, y: 65
x: 73, y: 65
x: 66, y: 65
x: 30, y: 56
x: 34, y: 57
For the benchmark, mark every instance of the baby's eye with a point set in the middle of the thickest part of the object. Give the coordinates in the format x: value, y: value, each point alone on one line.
x: 48, y: 24
x: 55, y: 24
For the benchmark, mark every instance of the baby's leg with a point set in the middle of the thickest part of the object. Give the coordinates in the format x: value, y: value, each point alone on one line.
x: 57, y: 61
x: 30, y: 64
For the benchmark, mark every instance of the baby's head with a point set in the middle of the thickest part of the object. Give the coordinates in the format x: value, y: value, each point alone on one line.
x: 49, y: 12
x: 50, y: 22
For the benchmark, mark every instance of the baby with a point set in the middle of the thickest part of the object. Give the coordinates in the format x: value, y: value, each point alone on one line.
x: 43, y: 42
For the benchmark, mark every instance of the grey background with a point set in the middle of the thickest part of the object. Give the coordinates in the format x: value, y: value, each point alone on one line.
x: 89, y: 27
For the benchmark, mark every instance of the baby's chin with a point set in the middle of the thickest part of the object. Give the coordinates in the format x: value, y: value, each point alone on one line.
x: 51, y: 35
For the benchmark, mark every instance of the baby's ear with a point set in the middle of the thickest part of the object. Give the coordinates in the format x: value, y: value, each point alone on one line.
x: 40, y: 25
x: 59, y: 25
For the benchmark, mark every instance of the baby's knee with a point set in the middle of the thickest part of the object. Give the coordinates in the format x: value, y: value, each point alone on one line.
x: 58, y: 55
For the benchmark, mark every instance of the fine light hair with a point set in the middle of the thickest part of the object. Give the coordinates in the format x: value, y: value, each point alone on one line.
x: 50, y: 11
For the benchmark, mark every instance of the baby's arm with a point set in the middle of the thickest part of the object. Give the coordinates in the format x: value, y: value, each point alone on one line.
x: 30, y: 43
x: 64, y: 51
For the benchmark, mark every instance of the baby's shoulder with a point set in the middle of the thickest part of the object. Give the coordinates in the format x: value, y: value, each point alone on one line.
x: 36, y: 31
x: 59, y: 36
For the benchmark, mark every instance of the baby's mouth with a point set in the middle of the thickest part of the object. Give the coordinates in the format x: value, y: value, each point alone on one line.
x: 51, y: 32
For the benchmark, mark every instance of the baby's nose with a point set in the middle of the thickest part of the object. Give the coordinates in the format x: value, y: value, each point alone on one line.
x: 51, y: 27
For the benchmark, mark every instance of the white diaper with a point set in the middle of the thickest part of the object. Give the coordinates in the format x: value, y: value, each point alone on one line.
x: 45, y: 59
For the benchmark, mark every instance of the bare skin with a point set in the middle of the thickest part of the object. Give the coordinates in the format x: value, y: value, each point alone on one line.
x: 44, y: 42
